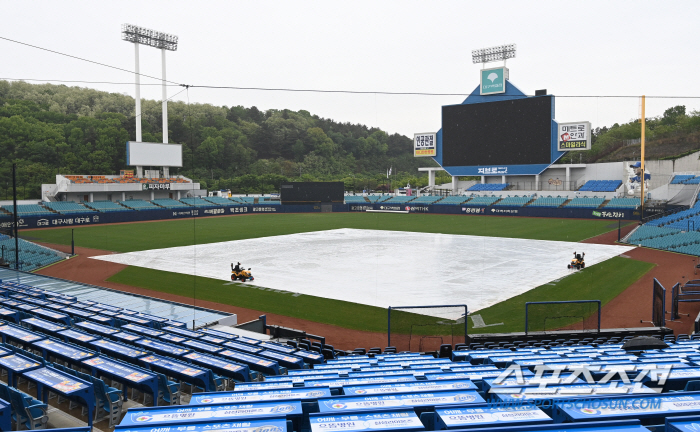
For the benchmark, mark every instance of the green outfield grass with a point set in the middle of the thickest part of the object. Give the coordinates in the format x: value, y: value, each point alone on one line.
x: 131, y: 237
x: 602, y: 282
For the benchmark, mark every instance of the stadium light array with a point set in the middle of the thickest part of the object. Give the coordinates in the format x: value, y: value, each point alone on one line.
x: 144, y: 36
x: 164, y: 42
x: 486, y: 55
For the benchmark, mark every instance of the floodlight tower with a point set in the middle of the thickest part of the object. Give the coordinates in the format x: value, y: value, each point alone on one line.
x: 139, y: 35
x: 497, y: 53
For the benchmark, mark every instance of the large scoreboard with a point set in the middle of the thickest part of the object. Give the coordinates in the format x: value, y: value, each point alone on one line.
x: 312, y: 193
x: 506, y: 134
x: 509, y: 132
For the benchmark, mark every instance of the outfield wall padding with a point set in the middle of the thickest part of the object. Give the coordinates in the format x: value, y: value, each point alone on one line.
x: 56, y: 220
x: 577, y: 213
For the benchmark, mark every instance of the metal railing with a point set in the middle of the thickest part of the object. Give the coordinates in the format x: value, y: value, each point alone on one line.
x: 663, y: 214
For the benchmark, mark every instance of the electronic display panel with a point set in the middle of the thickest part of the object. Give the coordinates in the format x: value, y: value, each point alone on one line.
x: 509, y: 132
x: 312, y: 192
x: 153, y: 154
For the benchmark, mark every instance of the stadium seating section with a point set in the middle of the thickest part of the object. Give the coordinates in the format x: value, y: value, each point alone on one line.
x: 376, y: 198
x: 548, y: 201
x: 685, y: 179
x: 677, y: 232
x: 106, y: 346
x: 67, y: 207
x: 204, y: 364
x: 28, y: 210
x: 221, y: 201
x: 514, y: 201
x: 244, y: 200
x: 169, y: 203
x: 31, y: 256
x: 399, y: 199
x: 601, y: 185
x: 453, y: 200
x: 139, y: 205
x: 482, y: 200
x: 106, y: 206
x: 623, y: 203
x: 426, y: 199
x: 354, y: 199
x: 488, y: 187
x: 586, y: 202
x: 197, y: 202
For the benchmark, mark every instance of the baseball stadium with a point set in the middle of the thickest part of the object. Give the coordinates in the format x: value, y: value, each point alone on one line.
x: 516, y: 290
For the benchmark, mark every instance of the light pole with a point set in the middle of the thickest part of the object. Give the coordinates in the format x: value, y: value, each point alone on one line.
x: 164, y: 41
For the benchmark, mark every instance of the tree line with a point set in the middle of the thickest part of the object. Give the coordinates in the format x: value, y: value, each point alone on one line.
x: 673, y: 134
x: 51, y: 129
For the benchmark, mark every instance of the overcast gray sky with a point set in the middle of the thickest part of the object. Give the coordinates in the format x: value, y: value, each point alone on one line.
x: 594, y: 48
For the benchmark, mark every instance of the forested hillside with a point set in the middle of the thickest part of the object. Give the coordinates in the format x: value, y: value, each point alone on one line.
x: 48, y: 129
x: 672, y: 135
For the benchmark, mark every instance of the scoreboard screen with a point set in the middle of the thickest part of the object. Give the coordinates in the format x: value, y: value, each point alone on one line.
x: 312, y: 192
x: 509, y: 132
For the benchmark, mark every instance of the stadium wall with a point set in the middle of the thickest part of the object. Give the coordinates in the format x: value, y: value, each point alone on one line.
x: 81, y: 219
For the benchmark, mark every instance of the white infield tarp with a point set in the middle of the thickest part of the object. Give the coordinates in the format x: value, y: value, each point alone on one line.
x: 382, y: 268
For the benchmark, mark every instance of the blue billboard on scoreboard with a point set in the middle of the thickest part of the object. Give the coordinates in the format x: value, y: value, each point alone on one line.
x: 503, y: 134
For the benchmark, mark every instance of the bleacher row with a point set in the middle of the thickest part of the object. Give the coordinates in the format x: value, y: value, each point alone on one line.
x: 31, y: 256
x: 601, y: 185
x: 590, y: 185
x: 677, y: 232
x: 70, y: 207
x: 507, y: 201
x: 685, y: 179
x: 62, y: 336
x: 92, y: 354
x: 414, y: 392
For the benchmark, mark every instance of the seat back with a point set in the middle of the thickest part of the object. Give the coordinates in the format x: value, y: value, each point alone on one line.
x: 445, y: 351
x: 19, y: 406
x: 100, y: 392
x: 4, y: 392
x: 164, y: 389
x: 692, y: 385
x: 37, y: 358
x: 212, y: 381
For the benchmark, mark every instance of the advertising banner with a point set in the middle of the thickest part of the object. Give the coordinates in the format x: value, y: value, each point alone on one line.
x: 424, y: 145
x: 574, y: 136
